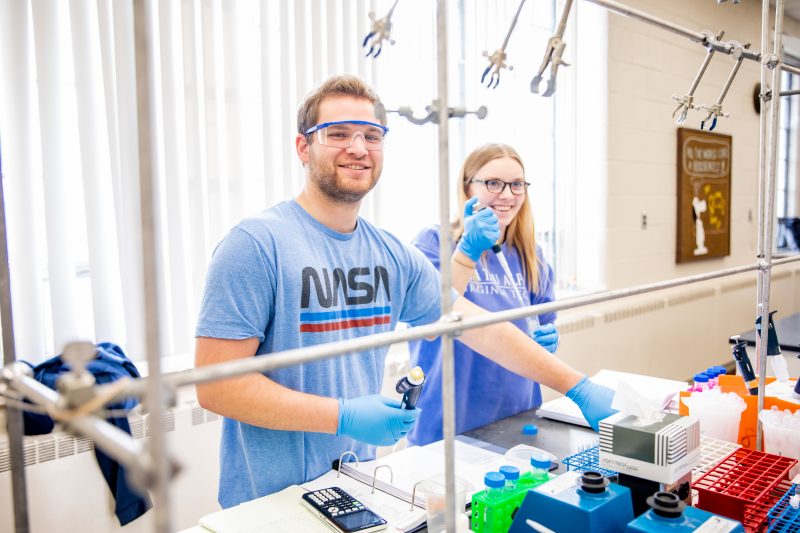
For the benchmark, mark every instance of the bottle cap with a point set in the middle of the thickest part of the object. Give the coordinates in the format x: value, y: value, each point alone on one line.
x: 540, y: 460
x: 711, y: 372
x: 510, y: 472
x: 416, y: 376
x: 702, y: 377
x: 721, y: 370
x: 494, y: 480
x: 530, y: 429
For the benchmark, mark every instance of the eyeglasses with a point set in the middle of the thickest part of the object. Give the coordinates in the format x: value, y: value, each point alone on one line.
x: 343, y: 133
x: 518, y: 188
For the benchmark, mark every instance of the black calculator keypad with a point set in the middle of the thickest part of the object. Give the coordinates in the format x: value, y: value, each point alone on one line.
x: 334, y: 502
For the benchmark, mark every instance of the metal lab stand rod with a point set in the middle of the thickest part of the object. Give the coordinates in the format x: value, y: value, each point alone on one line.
x: 448, y: 340
x: 763, y: 139
x: 449, y: 325
x: 698, y: 37
x: 14, y: 423
x: 768, y: 219
x: 788, y: 68
x: 143, y: 27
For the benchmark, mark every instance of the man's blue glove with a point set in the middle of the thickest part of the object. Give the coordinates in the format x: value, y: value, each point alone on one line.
x: 547, y: 337
x: 594, y: 401
x: 375, y: 419
x: 481, y: 230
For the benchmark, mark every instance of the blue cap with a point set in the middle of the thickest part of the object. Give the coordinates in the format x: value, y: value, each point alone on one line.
x: 510, y: 472
x: 702, y: 377
x: 721, y: 370
x: 540, y: 460
x: 530, y: 429
x: 494, y: 480
x: 712, y: 371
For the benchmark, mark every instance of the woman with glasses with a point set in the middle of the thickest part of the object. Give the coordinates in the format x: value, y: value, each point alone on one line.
x: 495, y: 210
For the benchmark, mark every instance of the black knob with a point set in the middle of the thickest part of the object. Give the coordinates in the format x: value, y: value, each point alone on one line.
x: 666, y: 504
x: 593, y: 482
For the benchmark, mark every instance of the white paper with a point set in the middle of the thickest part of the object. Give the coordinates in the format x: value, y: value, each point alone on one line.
x: 565, y: 410
x: 281, y: 511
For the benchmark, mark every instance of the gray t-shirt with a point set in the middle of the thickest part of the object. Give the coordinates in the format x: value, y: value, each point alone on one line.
x: 285, y: 278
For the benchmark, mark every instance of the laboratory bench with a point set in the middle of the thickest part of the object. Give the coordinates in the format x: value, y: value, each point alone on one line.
x: 559, y: 438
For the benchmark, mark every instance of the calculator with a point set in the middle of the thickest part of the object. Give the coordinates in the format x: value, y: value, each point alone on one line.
x: 342, y: 511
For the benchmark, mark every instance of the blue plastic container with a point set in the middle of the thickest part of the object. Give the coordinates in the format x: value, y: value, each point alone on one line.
x: 669, y: 514
x: 575, y: 502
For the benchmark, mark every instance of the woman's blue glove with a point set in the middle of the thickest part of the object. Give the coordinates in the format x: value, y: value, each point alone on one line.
x: 594, y: 401
x: 547, y: 337
x: 375, y: 419
x: 481, y: 230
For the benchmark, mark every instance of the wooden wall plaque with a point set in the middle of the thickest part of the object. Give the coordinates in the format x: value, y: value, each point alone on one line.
x: 704, y: 195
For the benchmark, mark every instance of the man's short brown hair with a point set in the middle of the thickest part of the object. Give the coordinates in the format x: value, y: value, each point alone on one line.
x: 347, y: 85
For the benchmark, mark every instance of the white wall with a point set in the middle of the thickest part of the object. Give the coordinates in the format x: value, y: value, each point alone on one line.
x: 645, y: 67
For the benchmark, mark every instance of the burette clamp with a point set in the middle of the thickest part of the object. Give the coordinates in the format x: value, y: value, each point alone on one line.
x: 453, y: 317
x: 770, y: 61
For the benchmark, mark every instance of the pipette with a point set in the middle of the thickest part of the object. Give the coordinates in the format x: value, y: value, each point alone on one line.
x: 411, y: 387
x: 519, y: 291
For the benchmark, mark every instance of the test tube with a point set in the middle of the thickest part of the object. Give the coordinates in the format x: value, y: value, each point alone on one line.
x: 701, y: 382
x: 711, y: 372
x: 540, y: 465
x: 495, y: 482
x: 511, y: 474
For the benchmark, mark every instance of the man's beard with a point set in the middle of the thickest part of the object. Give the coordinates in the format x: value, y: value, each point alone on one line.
x: 324, y: 176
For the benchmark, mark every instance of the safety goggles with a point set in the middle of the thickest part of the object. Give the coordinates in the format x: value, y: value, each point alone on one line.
x: 496, y: 186
x: 343, y: 133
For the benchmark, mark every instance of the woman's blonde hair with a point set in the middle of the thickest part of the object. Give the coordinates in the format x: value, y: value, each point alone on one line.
x: 520, y: 233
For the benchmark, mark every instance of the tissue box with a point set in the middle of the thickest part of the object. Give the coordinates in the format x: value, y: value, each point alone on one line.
x: 664, y: 451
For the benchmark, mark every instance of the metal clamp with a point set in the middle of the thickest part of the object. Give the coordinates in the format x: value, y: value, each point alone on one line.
x: 381, y: 31
x: 685, y: 103
x: 497, y: 60
x: 432, y: 113
x: 770, y: 61
x: 552, y: 55
x: 451, y: 318
x: 77, y: 385
x: 341, y: 460
x: 715, y: 111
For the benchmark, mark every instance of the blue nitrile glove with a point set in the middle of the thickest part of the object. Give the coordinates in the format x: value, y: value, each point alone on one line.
x: 375, y: 419
x: 547, y: 337
x: 594, y: 401
x: 481, y: 230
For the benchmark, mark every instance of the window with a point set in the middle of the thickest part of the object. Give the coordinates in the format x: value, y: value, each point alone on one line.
x: 229, y: 77
x: 786, y: 175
